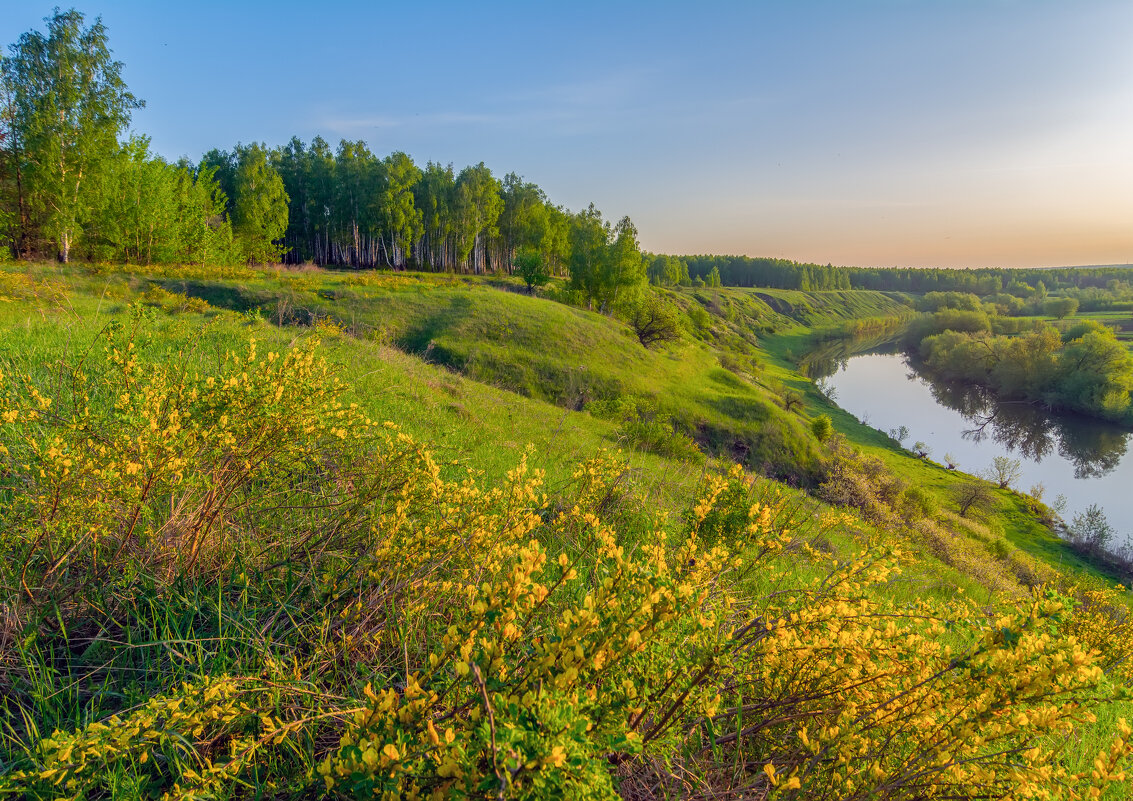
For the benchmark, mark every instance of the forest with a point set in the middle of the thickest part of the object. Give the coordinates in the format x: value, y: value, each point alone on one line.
x: 70, y: 188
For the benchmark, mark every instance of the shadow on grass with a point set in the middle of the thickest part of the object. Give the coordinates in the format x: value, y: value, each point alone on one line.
x: 222, y: 296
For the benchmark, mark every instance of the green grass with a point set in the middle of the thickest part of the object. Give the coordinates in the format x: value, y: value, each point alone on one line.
x: 479, y: 372
x: 548, y: 351
x: 480, y: 369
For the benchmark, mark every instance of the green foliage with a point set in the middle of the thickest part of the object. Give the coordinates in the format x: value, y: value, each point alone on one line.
x: 972, y: 496
x: 67, y: 106
x: 1061, y: 307
x: 822, y: 427
x: 668, y: 271
x: 529, y: 266
x: 605, y: 261
x: 699, y: 318
x: 792, y: 400
x: 151, y: 212
x: 259, y: 206
x: 1095, y: 375
x: 928, y: 324
x: 937, y: 301
x: 477, y: 205
x: 396, y: 212
x: 655, y: 320
x: 641, y: 426
x: 916, y: 503
x: 1080, y: 329
x: 860, y: 481
x: 1091, y: 374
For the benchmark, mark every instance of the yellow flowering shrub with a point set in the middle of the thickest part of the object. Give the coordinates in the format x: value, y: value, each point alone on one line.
x: 264, y: 591
x: 1101, y: 620
x: 176, y: 470
x: 199, y: 728
x: 20, y: 285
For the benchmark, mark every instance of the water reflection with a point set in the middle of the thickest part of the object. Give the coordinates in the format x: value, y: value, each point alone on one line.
x: 830, y: 357
x: 1084, y: 461
x: 1092, y: 447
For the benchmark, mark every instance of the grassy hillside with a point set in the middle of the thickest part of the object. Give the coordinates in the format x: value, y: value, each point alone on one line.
x: 463, y: 546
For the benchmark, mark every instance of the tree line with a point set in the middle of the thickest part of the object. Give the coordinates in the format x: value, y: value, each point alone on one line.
x: 74, y: 185
x: 1096, y: 287
x: 349, y: 207
x: 745, y: 271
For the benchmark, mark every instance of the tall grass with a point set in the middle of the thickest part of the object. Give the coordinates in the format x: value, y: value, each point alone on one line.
x: 221, y: 577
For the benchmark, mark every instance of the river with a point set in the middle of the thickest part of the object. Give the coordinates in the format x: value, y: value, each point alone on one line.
x: 1084, y: 461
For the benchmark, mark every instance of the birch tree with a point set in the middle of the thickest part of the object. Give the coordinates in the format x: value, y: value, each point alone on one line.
x: 67, y: 106
x: 259, y: 209
x: 398, y: 215
x: 478, y: 206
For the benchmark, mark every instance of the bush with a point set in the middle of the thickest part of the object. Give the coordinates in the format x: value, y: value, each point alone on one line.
x: 972, y: 496
x: 529, y: 266
x: 264, y: 592
x: 860, y: 481
x: 641, y: 426
x: 916, y: 503
x: 655, y: 320
x: 822, y: 427
x: 1090, y: 529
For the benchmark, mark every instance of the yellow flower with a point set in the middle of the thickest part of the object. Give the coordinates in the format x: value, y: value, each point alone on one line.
x: 557, y: 757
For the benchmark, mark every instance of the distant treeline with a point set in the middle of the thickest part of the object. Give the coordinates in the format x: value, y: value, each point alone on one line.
x: 786, y: 274
x: 984, y: 281
x: 745, y: 271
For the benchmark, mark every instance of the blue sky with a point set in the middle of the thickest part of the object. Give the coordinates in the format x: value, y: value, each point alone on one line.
x: 947, y: 133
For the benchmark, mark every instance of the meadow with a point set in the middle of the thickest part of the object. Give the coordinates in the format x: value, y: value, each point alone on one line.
x: 285, y: 533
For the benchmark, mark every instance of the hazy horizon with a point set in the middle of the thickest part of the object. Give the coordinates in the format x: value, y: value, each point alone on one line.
x: 961, y: 134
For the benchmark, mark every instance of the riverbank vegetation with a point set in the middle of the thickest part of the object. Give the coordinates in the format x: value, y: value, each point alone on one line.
x: 1080, y: 367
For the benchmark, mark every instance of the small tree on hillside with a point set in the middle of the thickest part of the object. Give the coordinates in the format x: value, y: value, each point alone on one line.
x: 972, y: 495
x: 655, y: 321
x: 822, y: 427
x: 792, y: 399
x: 1091, y: 529
x: 529, y: 266
x: 1004, y: 472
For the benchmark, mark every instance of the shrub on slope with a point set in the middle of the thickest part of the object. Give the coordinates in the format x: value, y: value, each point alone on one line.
x: 232, y: 580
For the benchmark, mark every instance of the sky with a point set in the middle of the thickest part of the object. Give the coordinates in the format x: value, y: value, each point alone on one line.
x: 942, y: 133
